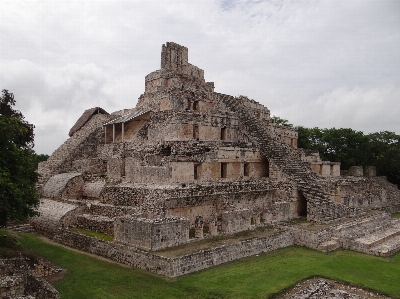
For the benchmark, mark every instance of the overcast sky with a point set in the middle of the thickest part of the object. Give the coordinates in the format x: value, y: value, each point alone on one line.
x: 316, y: 63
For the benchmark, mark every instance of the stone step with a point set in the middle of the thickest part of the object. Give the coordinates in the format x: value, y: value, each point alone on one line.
x: 377, y: 220
x: 22, y: 228
x: 387, y: 248
x: 330, y: 245
x: 379, y: 237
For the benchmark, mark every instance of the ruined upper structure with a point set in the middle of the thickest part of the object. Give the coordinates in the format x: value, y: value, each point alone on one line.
x: 188, y: 162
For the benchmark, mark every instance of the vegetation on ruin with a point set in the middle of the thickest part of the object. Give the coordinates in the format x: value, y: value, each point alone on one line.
x: 91, y: 233
x: 352, y: 148
x: 254, y: 277
x: 41, y: 158
x: 18, y: 176
x: 396, y: 215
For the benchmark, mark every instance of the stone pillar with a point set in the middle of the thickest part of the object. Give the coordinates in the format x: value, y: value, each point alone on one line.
x: 123, y: 129
x: 369, y: 171
x: 256, y: 219
x: 198, y: 227
x: 213, y: 226
x: 356, y: 171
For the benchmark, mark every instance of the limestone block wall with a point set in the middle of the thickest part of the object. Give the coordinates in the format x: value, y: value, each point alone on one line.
x: 93, y: 190
x: 277, y: 211
x: 96, y: 223
x: 174, y: 267
x: 115, y: 167
x: 208, y: 258
x: 82, y: 144
x: 111, y: 211
x: 309, y: 238
x: 208, y: 171
x: 151, y: 234
x: 182, y: 172
x: 54, y: 214
x: 367, y: 192
x: 370, y: 171
x: 286, y: 134
x: 356, y: 171
x: 124, y: 194
x: 91, y: 165
x: 110, y: 150
x: 65, y: 185
x: 148, y: 174
x: 236, y: 221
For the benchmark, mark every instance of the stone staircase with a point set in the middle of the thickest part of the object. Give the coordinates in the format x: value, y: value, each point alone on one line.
x: 21, y: 228
x: 317, y: 191
x: 377, y: 234
x: 382, y: 242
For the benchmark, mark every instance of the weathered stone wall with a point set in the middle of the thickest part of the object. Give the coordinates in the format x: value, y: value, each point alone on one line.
x: 23, y: 277
x: 124, y: 194
x: 40, y: 288
x: 110, y: 211
x: 53, y: 214
x: 236, y: 221
x: 151, y: 234
x: 356, y: 171
x: 367, y: 192
x: 93, y: 190
x: 174, y: 267
x: 115, y: 167
x: 80, y: 146
x: 65, y: 185
x: 96, y: 223
x: 91, y: 165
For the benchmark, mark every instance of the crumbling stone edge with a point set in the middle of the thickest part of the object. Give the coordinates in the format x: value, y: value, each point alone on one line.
x: 174, y: 267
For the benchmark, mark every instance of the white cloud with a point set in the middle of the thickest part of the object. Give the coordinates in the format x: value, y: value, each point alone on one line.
x: 318, y: 63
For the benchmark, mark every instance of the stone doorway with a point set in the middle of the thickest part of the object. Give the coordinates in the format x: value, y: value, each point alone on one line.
x: 301, y: 205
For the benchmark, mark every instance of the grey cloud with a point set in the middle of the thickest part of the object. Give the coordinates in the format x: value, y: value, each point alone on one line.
x: 312, y: 62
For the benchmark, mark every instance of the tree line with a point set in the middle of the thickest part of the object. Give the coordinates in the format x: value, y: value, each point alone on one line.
x: 352, y: 148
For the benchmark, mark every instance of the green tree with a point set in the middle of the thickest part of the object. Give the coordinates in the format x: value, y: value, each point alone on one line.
x: 385, y: 154
x: 18, y: 175
x: 41, y: 158
x: 281, y: 121
x: 352, y: 148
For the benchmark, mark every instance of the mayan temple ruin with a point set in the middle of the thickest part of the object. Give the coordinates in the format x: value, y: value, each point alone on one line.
x: 188, y: 164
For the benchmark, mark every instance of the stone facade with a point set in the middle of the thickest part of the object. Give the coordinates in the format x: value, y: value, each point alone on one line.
x: 188, y: 159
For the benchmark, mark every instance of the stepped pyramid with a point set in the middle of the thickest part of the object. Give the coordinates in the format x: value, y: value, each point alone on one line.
x: 188, y: 162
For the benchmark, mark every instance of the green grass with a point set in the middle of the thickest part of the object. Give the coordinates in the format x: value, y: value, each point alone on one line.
x: 396, y: 215
x: 254, y: 277
x: 90, y: 233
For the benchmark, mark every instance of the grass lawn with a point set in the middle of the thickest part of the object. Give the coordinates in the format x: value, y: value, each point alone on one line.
x: 254, y: 277
x: 396, y: 215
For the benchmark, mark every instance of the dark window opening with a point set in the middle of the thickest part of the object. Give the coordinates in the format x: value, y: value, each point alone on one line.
x: 246, y: 169
x: 195, y: 132
x: 196, y: 105
x: 265, y: 168
x: 196, y: 171
x: 224, y: 170
x: 223, y: 133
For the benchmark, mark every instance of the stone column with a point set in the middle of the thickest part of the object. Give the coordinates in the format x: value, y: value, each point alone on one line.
x: 198, y: 227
